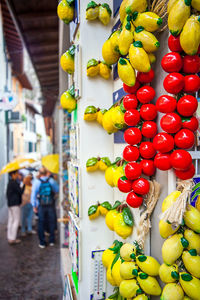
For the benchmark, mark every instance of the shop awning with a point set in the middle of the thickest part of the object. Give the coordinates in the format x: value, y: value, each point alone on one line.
x: 37, y: 22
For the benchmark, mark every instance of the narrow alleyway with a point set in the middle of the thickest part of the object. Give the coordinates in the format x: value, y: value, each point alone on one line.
x: 28, y: 272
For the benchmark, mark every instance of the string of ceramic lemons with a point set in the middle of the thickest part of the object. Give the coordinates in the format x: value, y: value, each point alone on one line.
x: 132, y: 271
x: 180, y: 270
x: 134, y: 40
x: 98, y: 11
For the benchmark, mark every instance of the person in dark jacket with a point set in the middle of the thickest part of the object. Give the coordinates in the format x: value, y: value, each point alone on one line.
x: 14, y: 197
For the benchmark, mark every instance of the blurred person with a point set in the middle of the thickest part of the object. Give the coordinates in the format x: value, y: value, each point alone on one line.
x: 51, y: 175
x: 42, y: 199
x: 27, y: 208
x: 14, y: 197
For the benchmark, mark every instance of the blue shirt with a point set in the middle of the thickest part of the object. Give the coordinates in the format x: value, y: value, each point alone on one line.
x: 36, y: 188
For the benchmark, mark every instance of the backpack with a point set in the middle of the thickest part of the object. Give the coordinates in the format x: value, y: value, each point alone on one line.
x: 45, y: 193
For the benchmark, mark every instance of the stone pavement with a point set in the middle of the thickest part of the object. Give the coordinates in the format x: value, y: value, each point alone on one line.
x: 28, y: 272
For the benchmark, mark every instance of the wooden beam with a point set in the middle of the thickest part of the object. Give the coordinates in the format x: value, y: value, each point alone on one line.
x: 43, y: 44
x: 46, y: 66
x: 35, y: 32
x: 48, y: 53
x: 37, y: 15
x: 51, y: 71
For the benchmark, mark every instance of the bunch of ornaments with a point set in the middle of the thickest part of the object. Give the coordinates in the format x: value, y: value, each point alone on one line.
x: 147, y: 149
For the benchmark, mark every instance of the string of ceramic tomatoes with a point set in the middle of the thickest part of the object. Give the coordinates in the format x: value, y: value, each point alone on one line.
x: 168, y: 148
x: 178, y: 121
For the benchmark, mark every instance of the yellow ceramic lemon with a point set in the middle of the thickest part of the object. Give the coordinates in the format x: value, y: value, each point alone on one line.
x: 135, y: 5
x: 92, y: 164
x: 104, y: 13
x: 100, y: 114
x: 193, y: 240
x: 65, y: 11
x: 149, y: 41
x: 92, y: 68
x: 128, y: 270
x: 127, y: 252
x: 126, y: 72
x: 170, y: 199
x: 166, y: 229
x: 139, y: 58
x: 172, y: 249
x: 109, y: 54
x: 109, y: 276
x: 178, y: 16
x: 149, y: 20
x: 128, y: 288
x: 148, y: 264
x: 190, y: 285
x: 121, y: 228
x: 149, y: 284
x: 192, y: 262
x: 172, y: 291
x: 116, y: 272
x: 109, y: 174
x: 190, y: 36
x: 108, y: 257
x: 192, y: 218
x: 168, y: 274
x: 110, y: 218
x: 92, y: 11
x: 90, y: 113
x: 104, y: 70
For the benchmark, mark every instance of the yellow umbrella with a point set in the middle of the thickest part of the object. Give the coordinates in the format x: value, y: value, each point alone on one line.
x: 16, y: 164
x: 51, y: 163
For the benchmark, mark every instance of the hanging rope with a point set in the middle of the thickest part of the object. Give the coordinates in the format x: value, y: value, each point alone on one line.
x: 145, y: 223
x: 174, y: 214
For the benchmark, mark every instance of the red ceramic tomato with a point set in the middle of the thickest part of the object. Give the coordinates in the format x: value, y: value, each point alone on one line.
x: 174, y: 83
x: 166, y: 104
x: 133, y: 170
x: 132, y: 117
x: 174, y: 43
x: 147, y: 150
x: 131, y: 153
x: 191, y: 64
x: 162, y: 161
x: 163, y: 142
x: 184, y: 139
x: 190, y: 123
x: 171, y: 122
x: 131, y: 89
x: 184, y: 175
x: 141, y: 186
x: 148, y: 112
x: 187, y: 105
x: 149, y: 129
x: 134, y: 200
x: 132, y: 136
x: 148, y: 167
x: 181, y: 160
x: 146, y: 94
x: 130, y: 101
x: 146, y: 77
x: 172, y: 62
x: 124, y: 185
x: 191, y: 83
